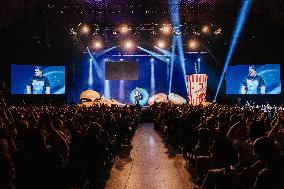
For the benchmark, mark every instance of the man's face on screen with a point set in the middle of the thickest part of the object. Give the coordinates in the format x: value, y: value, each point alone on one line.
x: 38, y: 72
x: 252, y: 72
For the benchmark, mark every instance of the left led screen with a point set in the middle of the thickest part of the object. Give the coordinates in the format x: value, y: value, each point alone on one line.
x: 35, y: 79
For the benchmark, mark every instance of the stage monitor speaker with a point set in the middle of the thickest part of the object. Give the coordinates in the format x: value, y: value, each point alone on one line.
x: 121, y: 70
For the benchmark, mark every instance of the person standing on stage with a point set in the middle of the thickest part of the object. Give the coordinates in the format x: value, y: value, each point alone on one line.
x: 137, y: 95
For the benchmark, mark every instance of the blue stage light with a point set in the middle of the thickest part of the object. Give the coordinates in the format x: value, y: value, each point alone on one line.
x: 107, y: 89
x: 175, y: 17
x: 90, y: 78
x: 240, y: 23
x: 172, y: 64
x: 104, y: 52
x: 121, y: 90
x: 152, y: 77
x: 158, y: 56
x: 98, y: 70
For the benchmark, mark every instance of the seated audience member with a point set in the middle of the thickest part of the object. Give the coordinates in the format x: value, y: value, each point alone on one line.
x: 272, y: 175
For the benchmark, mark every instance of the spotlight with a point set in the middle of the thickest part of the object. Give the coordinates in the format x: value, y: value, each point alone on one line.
x: 85, y: 29
x: 97, y: 45
x: 193, y: 44
x: 166, y: 29
x: 128, y: 45
x: 123, y: 29
x: 161, y: 44
x: 205, y: 29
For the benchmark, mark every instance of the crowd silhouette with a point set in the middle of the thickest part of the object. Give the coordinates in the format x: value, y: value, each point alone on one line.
x: 227, y: 147
x: 62, y: 146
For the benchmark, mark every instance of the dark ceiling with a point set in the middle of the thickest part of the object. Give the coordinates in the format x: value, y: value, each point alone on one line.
x: 101, y: 11
x: 41, y: 28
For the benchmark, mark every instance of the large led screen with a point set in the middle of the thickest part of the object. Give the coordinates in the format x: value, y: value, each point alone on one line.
x: 121, y: 71
x: 34, y: 79
x: 253, y: 79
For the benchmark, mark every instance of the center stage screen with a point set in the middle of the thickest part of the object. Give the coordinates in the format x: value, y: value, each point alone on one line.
x: 33, y: 79
x: 253, y: 79
x: 121, y: 70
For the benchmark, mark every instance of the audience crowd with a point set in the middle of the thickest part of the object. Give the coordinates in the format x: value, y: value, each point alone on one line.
x: 227, y: 147
x: 44, y: 147
x: 73, y: 147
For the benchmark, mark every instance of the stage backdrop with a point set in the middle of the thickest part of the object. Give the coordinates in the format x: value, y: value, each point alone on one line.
x: 154, y: 74
x: 22, y: 74
x: 268, y: 76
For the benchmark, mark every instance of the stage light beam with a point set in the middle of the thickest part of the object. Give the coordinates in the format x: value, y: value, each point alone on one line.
x: 97, y: 67
x: 158, y: 56
x: 104, y: 51
x: 174, y: 7
x: 121, y: 90
x: 239, y: 26
x: 172, y: 65
x: 152, y: 77
x: 90, y: 78
x: 107, y: 89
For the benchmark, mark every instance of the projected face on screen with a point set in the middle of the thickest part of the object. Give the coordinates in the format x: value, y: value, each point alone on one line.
x: 38, y: 72
x: 38, y: 84
x: 253, y: 79
x: 253, y: 83
x: 40, y: 80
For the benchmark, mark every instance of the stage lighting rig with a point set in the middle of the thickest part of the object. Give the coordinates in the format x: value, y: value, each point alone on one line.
x: 124, y: 29
x: 166, y: 29
x: 128, y: 45
x: 85, y: 29
x: 161, y: 44
x: 205, y: 29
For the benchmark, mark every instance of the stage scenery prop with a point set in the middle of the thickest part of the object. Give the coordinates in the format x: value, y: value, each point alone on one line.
x: 197, y: 86
x: 176, y: 99
x: 160, y: 97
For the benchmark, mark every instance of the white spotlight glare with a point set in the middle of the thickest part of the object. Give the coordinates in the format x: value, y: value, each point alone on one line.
x: 124, y: 29
x: 161, y: 44
x: 193, y: 44
x: 97, y: 45
x: 205, y: 29
x: 85, y: 29
x: 166, y: 29
x: 128, y: 45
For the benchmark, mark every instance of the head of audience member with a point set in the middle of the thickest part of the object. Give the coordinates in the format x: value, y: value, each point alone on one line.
x: 255, y: 129
x: 34, y: 141
x: 266, y: 151
x: 22, y: 125
x: 94, y: 129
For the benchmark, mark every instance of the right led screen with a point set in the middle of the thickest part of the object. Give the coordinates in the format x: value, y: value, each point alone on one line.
x: 253, y: 79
